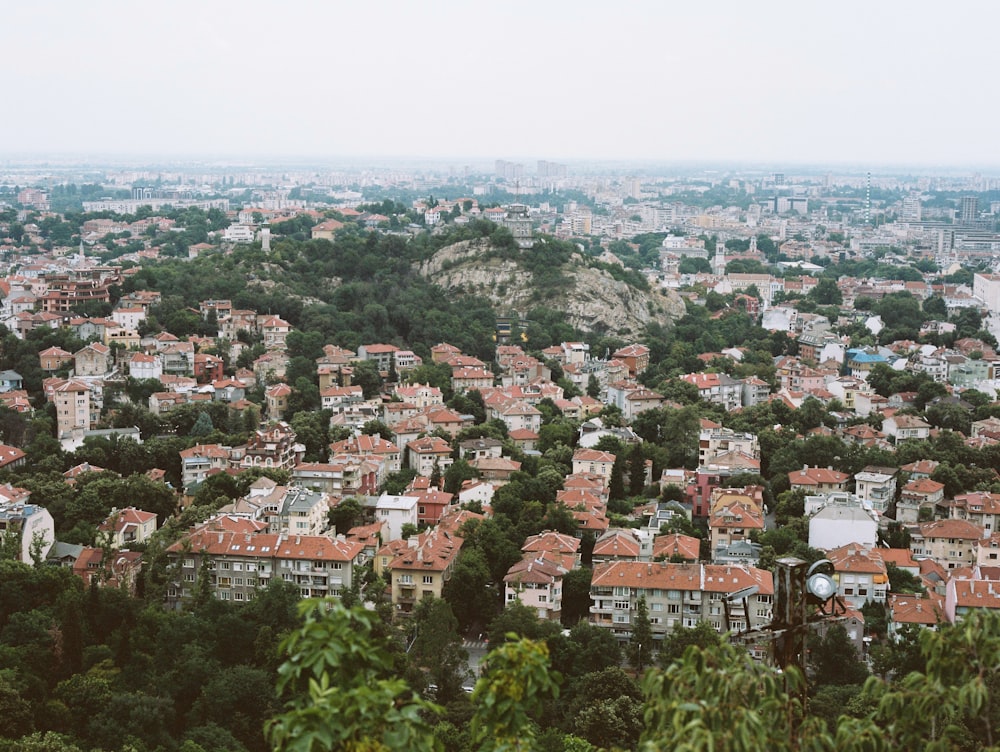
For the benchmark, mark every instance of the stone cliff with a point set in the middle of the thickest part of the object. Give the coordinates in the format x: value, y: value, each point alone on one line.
x: 591, y: 298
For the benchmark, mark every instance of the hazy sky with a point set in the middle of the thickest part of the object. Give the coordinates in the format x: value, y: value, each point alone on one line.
x: 912, y: 82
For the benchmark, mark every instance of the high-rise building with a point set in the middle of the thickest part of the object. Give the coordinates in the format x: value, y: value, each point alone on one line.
x: 911, y: 210
x: 970, y: 209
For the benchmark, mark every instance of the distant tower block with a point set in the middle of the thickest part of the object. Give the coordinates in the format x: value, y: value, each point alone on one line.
x: 265, y: 238
x: 753, y: 244
x: 970, y: 208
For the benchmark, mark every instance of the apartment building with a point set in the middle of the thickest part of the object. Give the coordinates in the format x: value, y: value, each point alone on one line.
x: 677, y: 594
x: 236, y: 565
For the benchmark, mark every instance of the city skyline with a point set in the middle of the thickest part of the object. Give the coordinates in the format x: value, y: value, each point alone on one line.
x: 779, y: 84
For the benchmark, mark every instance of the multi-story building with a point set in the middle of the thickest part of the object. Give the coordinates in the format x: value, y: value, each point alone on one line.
x: 861, y: 574
x: 198, y: 461
x: 418, y: 568
x: 537, y: 583
x: 677, y: 594
x: 72, y: 401
x: 876, y: 486
x: 272, y: 446
x: 950, y: 543
x: 236, y: 565
x: 32, y: 524
x: 128, y: 526
x: 714, y: 439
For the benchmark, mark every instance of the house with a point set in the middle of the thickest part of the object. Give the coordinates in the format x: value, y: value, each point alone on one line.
x: 677, y: 594
x: 274, y: 446
x: 980, y: 507
x: 144, y: 366
x: 11, y: 457
x: 964, y: 595
x: 32, y: 524
x: 276, y: 399
x: 816, y: 480
x: 717, y: 388
x: 274, y: 331
x: 840, y: 519
x: 207, y: 368
x: 200, y: 461
x: 907, y: 610
x: 326, y: 230
x: 365, y: 445
x: 537, y: 584
x: 54, y: 358
x: 676, y: 547
x: 395, y: 512
x: 732, y: 522
x: 905, y: 427
x: 919, y: 500
x: 92, y: 360
x: 619, y: 544
x: 876, y: 486
x: 124, y: 528
x: 594, y: 462
x: 120, y: 570
x: 238, y: 565
x: 635, y: 357
x: 950, y: 543
x: 519, y: 415
x: 714, y: 439
x: 861, y: 574
x: 383, y: 355
x: 429, y: 453
x: 496, y: 470
x: 420, y: 567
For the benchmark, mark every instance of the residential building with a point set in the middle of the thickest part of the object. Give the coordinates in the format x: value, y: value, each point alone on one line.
x: 124, y: 528
x: 395, y: 512
x: 72, y: 402
x: 840, y: 519
x: 429, y: 453
x: 965, y: 595
x: 918, y: 500
x: 594, y: 462
x: 876, y: 486
x: 419, y: 568
x: 950, y: 543
x: 30, y: 523
x: 677, y: 594
x: 537, y: 584
x: 635, y: 357
x: 717, y: 388
x: 237, y: 565
x: 818, y: 480
x: 861, y: 574
x: 905, y: 427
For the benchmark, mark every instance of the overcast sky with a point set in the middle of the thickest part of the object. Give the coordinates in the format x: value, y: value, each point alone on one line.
x: 879, y: 81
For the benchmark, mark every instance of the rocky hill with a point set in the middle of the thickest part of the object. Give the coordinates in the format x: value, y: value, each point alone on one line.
x: 591, y: 298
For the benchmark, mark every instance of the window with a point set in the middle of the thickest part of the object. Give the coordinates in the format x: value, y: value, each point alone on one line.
x: 542, y: 598
x: 225, y: 565
x: 428, y: 579
x: 405, y: 579
x: 622, y: 605
x: 656, y: 607
x: 189, y: 578
x: 673, y: 608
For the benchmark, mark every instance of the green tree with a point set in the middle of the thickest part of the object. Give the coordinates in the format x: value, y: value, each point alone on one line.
x: 437, y: 647
x: 339, y: 676
x: 641, y: 648
x: 516, y: 683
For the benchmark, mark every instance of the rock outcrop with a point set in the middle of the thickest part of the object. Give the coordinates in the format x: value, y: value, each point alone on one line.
x: 591, y: 298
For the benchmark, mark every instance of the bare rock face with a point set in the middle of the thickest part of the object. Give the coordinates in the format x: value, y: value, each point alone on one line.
x: 591, y: 298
